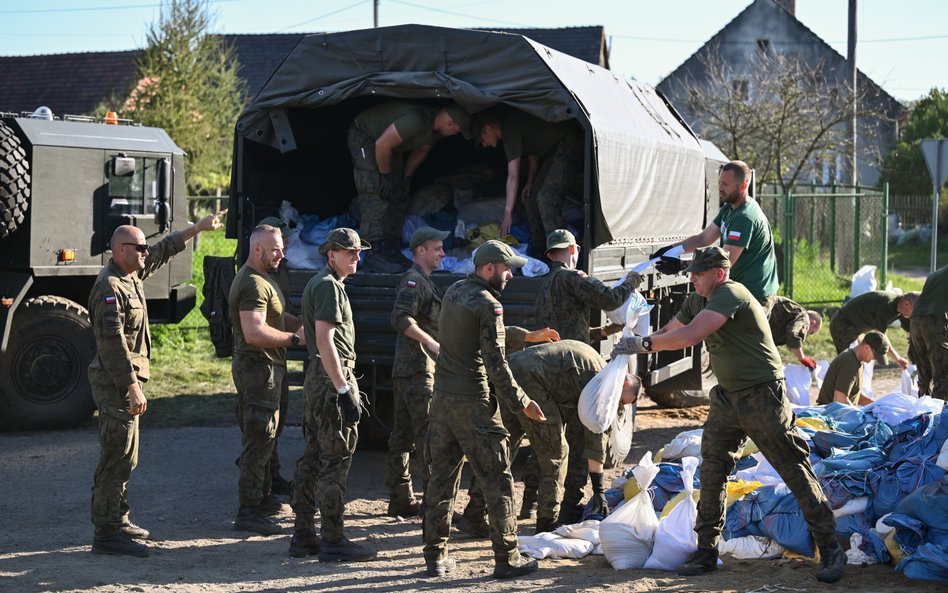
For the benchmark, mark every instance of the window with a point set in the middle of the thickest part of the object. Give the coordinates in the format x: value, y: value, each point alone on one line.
x: 763, y: 45
x: 135, y: 192
x: 740, y: 88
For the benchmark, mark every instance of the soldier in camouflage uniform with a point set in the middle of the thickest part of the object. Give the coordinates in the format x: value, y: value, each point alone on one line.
x: 554, y: 375
x: 465, y: 422
x: 749, y: 400
x: 930, y: 335
x: 119, y: 314
x: 333, y: 407
x: 554, y: 167
x: 564, y: 301
x: 388, y: 142
x: 262, y: 332
x: 791, y: 324
x: 415, y: 319
x: 873, y: 310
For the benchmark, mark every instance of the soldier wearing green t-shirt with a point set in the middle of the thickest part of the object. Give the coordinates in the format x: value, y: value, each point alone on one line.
x: 791, y: 324
x: 748, y: 401
x: 843, y: 379
x: 743, y: 230
x: 388, y: 142
x: 873, y: 310
x: 332, y: 409
x: 930, y: 335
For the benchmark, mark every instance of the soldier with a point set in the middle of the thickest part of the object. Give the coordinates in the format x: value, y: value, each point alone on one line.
x: 119, y: 314
x: 388, y: 142
x: 333, y: 407
x: 843, y: 379
x: 873, y: 310
x: 749, y: 400
x: 262, y: 332
x: 743, y: 230
x: 554, y: 164
x: 464, y: 418
x: 415, y: 319
x: 790, y: 324
x: 563, y: 302
x: 554, y: 375
x: 930, y: 335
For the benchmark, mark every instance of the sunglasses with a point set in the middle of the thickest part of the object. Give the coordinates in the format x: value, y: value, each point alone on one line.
x: 143, y: 248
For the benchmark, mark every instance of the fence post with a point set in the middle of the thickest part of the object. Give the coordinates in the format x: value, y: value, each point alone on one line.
x: 857, y: 226
x: 812, y: 209
x: 885, y: 234
x: 833, y: 227
x: 788, y: 243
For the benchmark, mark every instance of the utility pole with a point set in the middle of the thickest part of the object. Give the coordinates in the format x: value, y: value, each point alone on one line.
x: 375, y: 13
x: 853, y: 73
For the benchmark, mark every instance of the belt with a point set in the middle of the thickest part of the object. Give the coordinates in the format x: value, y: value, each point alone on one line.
x: 349, y: 364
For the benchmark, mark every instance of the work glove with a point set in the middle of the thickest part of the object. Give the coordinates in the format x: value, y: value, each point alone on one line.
x: 634, y: 279
x: 670, y: 265
x: 599, y: 507
x: 661, y: 251
x: 632, y: 345
x: 350, y: 408
x: 392, y: 187
x: 808, y: 363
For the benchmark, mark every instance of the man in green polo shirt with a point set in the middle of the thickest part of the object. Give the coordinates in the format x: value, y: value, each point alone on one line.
x: 873, y: 310
x: 930, y: 335
x: 748, y: 401
x: 843, y: 379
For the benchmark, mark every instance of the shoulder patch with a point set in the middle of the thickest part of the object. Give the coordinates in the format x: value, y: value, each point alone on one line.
x: 411, y: 284
x: 733, y: 236
x: 498, y: 310
x: 110, y: 299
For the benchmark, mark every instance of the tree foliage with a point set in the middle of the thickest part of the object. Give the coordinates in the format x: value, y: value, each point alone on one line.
x: 904, y: 168
x: 188, y: 85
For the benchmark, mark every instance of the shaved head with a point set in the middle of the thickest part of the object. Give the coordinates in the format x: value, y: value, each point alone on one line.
x: 125, y: 241
x: 126, y: 234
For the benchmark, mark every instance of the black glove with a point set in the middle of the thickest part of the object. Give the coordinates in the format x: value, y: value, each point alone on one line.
x: 350, y: 406
x: 600, y: 506
x: 670, y: 265
x: 392, y: 187
x: 661, y: 251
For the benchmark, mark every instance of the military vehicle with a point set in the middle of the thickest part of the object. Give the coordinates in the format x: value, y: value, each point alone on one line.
x: 649, y: 181
x: 65, y: 185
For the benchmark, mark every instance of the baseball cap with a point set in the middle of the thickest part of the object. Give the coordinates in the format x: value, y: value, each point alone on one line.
x: 461, y: 117
x: 709, y: 258
x: 276, y: 222
x: 879, y: 344
x: 498, y: 252
x: 559, y: 238
x: 343, y: 238
x: 426, y: 233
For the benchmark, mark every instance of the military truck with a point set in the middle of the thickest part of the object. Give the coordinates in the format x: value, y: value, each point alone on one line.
x: 65, y: 185
x: 648, y: 180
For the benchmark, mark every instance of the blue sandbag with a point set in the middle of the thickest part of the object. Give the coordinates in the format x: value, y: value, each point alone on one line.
x: 929, y: 562
x: 886, y: 492
x: 915, y: 473
x: 909, y: 531
x: 846, y: 418
x: 851, y: 461
x: 744, y: 516
x: 928, y: 504
x: 872, y: 544
x: 915, y: 438
x: 825, y: 441
x: 785, y: 525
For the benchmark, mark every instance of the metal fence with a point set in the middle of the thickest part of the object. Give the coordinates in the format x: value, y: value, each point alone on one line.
x: 205, y: 204
x: 824, y: 235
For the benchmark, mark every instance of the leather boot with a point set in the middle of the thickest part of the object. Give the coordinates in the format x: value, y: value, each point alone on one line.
x: 134, y: 531
x: 701, y: 562
x: 518, y: 567
x: 545, y: 525
x: 344, y: 551
x: 832, y: 562
x: 118, y: 544
x: 271, y: 506
x: 305, y: 542
x: 252, y: 519
x: 439, y: 568
x: 403, y: 507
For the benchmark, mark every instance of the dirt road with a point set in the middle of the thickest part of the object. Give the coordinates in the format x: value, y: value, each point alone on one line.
x: 184, y: 490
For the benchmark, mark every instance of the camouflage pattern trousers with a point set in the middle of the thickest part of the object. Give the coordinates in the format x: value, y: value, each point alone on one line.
x: 379, y: 218
x: 929, y: 339
x: 467, y: 426
x: 558, y: 175
x: 843, y: 333
x: 763, y: 414
x: 260, y: 390
x: 409, y: 429
x: 118, y: 455
x: 323, y: 470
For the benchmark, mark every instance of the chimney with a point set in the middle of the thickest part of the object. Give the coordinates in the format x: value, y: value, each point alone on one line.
x: 788, y: 5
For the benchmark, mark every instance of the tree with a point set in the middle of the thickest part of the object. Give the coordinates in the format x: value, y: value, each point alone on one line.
x: 778, y: 113
x: 904, y: 168
x: 188, y: 85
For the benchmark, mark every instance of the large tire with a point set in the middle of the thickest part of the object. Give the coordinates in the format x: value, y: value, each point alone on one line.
x: 14, y: 182
x: 684, y: 390
x: 44, y: 380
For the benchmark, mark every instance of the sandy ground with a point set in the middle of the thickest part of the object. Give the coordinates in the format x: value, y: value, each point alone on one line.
x: 184, y: 490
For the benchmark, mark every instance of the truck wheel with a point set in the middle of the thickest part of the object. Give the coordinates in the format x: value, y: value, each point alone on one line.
x: 678, y: 398
x: 44, y: 379
x: 14, y: 182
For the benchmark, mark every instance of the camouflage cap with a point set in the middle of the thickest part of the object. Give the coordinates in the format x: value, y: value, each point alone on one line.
x: 461, y: 117
x: 276, y: 222
x: 343, y: 238
x: 708, y: 259
x: 559, y: 239
x: 879, y: 344
x: 426, y: 233
x: 498, y: 252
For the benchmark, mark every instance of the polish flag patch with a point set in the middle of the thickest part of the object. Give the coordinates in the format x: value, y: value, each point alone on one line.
x: 733, y: 236
x: 498, y: 310
x: 110, y: 300
x: 411, y: 284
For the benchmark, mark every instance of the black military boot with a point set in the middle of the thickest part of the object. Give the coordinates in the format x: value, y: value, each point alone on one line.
x: 520, y: 566
x: 281, y: 486
x: 134, y: 531
x: 832, y: 562
x: 253, y: 519
x: 701, y: 562
x: 344, y: 551
x: 118, y: 544
x: 271, y: 506
x: 571, y: 513
x: 545, y: 525
x: 403, y: 507
x: 439, y: 568
x: 305, y: 542
x: 528, y: 508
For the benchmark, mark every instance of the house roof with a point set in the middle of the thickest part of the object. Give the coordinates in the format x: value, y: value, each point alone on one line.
x: 75, y: 83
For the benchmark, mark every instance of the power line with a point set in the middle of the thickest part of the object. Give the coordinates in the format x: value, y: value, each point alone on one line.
x: 322, y: 16
x: 95, y: 8
x: 453, y: 13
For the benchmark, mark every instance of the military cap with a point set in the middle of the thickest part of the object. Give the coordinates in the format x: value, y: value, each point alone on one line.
x: 426, y: 233
x: 276, y: 222
x: 343, y: 238
x: 708, y: 259
x: 498, y: 252
x: 461, y: 117
x: 559, y: 239
x: 879, y: 344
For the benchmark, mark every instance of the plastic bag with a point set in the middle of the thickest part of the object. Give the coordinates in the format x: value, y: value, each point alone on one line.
x: 599, y: 401
x: 910, y: 380
x: 942, y: 460
x: 300, y: 255
x: 820, y: 373
x: 750, y: 547
x: 798, y: 384
x: 289, y: 214
x: 675, y: 537
x: 413, y: 222
x: 866, y: 388
x: 632, y: 312
x: 627, y: 534
x: 620, y: 436
x: 864, y: 280
x: 551, y: 545
x: 686, y: 444
x: 895, y: 408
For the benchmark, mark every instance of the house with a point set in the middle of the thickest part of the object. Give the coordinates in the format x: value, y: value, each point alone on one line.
x: 76, y: 83
x: 771, y: 26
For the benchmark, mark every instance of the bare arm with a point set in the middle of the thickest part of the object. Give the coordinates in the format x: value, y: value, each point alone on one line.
x: 839, y: 396
x: 293, y: 323
x: 671, y: 325
x: 894, y: 357
x: 259, y: 334
x: 384, y: 146
x: 708, y: 236
x: 415, y: 332
x: 211, y: 222
x: 733, y: 252
x: 704, y: 324
x: 533, y: 163
x: 328, y: 355
x: 513, y: 182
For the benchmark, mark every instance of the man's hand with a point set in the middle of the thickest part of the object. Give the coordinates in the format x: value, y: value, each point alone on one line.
x: 902, y: 362
x: 533, y: 412
x: 600, y: 506
x: 526, y: 191
x: 349, y: 405
x: 547, y: 334
x: 635, y: 279
x: 808, y: 363
x: 661, y: 251
x: 391, y: 187
x: 630, y: 346
x: 137, y: 404
x: 433, y: 347
x: 505, y: 224
x: 211, y: 222
x: 670, y: 265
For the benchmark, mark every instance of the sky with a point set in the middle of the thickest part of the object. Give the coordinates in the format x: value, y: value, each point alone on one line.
x: 902, y: 45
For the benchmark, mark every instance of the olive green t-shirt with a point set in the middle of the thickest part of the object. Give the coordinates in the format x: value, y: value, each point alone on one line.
x: 844, y: 374
x: 748, y: 227
x: 934, y: 297
x: 413, y: 121
x: 525, y: 135
x: 325, y: 299
x: 742, y: 350
x: 871, y: 310
x: 253, y: 291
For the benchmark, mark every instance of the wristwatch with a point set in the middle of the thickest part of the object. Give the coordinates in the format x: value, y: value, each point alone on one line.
x: 647, y: 342
x: 295, y: 339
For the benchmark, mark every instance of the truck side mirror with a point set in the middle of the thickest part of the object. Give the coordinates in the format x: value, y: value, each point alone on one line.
x: 162, y: 204
x: 123, y: 166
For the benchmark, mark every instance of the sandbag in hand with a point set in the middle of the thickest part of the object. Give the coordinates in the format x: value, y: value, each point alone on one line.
x: 631, y: 345
x: 350, y: 408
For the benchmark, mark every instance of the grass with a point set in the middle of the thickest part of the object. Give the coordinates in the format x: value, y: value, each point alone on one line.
x: 918, y: 256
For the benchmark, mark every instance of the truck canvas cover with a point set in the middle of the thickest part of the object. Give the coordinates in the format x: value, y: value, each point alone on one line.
x: 641, y: 149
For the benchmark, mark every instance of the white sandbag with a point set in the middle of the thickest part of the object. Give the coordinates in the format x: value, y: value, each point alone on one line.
x: 675, y: 538
x: 866, y: 388
x: 289, y: 214
x: 686, y: 444
x: 630, y: 314
x: 763, y: 472
x: 883, y: 528
x: 300, y: 255
x: 798, y: 384
x: 587, y: 530
x: 750, y: 547
x: 820, y: 373
x: 856, y: 556
x: 942, y: 460
x: 895, y: 407
x: 620, y: 435
x: 551, y: 545
x: 864, y: 280
x: 853, y: 506
x: 599, y: 401
x: 627, y: 535
x: 910, y: 380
